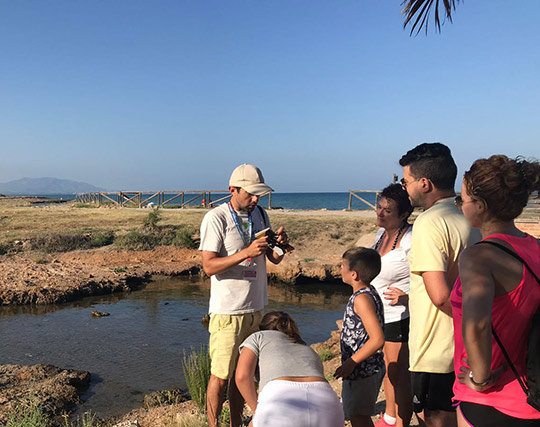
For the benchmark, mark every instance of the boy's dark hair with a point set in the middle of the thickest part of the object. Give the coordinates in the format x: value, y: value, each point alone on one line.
x: 396, y: 193
x: 365, y: 262
x: 433, y: 161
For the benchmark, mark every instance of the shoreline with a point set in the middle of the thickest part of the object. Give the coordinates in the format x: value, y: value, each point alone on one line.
x: 30, y: 275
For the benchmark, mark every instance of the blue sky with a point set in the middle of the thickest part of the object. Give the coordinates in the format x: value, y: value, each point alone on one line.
x: 322, y: 95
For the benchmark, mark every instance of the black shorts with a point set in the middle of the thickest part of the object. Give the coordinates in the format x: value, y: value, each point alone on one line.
x: 397, y: 331
x: 432, y: 391
x: 486, y: 416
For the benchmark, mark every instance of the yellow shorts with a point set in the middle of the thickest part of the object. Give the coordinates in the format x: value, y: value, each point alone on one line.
x: 227, y: 332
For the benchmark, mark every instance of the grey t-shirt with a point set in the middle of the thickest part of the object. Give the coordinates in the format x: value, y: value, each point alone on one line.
x: 279, y: 356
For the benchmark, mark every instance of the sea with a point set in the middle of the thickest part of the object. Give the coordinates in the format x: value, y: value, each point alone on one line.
x: 333, y: 201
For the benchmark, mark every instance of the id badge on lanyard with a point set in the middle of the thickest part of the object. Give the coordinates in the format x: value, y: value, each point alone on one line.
x: 249, y: 273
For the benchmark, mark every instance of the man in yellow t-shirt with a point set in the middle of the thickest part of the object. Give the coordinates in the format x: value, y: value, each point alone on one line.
x: 440, y: 233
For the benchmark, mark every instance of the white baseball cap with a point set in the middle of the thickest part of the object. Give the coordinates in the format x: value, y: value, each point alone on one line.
x: 250, y: 178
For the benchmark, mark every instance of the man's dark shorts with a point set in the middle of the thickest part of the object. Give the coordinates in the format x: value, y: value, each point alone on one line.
x: 432, y: 391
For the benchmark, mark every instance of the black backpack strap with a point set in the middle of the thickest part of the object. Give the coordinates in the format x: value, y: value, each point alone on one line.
x: 263, y: 215
x: 505, y: 354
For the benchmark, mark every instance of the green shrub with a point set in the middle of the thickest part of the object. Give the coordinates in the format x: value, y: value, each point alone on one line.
x: 196, y: 367
x: 4, y: 248
x: 60, y: 242
x: 30, y: 414
x: 137, y: 241
x: 184, y: 239
x: 326, y: 354
x: 152, y: 219
x: 88, y: 419
x: 81, y: 205
x: 66, y: 242
x: 102, y: 238
x: 41, y: 261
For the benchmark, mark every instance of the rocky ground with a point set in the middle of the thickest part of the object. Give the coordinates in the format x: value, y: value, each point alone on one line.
x: 69, y: 276
x: 55, y: 390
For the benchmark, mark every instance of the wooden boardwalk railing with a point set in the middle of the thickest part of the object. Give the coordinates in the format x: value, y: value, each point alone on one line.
x: 353, y: 193
x: 160, y: 199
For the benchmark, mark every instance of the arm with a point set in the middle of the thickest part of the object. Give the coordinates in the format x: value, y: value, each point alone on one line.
x: 438, y: 290
x: 478, y: 291
x: 365, y: 308
x: 245, y: 373
x: 214, y: 264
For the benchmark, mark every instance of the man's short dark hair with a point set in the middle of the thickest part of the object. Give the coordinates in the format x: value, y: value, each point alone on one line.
x: 365, y: 262
x: 434, y: 162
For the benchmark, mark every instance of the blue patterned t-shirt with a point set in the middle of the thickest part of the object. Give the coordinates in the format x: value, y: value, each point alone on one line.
x: 354, y: 336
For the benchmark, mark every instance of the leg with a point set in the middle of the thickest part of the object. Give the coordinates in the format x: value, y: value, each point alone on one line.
x: 440, y: 418
x: 461, y: 421
x: 236, y: 403
x: 400, y: 376
x: 397, y: 386
x: 215, y: 396
x: 389, y: 394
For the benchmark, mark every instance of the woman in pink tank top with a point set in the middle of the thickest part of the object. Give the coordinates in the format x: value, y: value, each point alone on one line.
x: 495, y: 290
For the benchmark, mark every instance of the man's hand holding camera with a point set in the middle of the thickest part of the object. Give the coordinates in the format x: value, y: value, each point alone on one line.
x: 257, y: 247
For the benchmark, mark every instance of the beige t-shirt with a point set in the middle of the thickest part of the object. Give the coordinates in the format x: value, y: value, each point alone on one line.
x: 242, y: 288
x: 439, y: 236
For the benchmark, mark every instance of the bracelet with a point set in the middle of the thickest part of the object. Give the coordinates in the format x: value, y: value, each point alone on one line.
x: 482, y: 384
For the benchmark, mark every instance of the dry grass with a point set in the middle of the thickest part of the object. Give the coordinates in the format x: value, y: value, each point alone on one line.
x: 25, y: 222
x: 18, y: 221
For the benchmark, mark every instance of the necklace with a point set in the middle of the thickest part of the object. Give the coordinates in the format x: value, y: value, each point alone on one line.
x: 403, y: 227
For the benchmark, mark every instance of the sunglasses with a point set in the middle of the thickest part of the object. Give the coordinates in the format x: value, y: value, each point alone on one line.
x: 458, y: 201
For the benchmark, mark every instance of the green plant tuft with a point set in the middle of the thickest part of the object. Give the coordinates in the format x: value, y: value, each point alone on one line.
x: 196, y: 367
x: 102, y: 238
x: 152, y: 219
x: 184, y: 239
x: 137, y: 241
x: 325, y: 354
x: 30, y: 414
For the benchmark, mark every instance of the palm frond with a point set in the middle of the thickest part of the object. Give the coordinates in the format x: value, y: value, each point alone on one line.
x: 417, y: 13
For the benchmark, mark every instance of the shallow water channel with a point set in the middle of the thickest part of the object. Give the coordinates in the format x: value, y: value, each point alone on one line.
x: 139, y: 347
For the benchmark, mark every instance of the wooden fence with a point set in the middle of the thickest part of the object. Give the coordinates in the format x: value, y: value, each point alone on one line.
x: 354, y: 193
x: 160, y: 199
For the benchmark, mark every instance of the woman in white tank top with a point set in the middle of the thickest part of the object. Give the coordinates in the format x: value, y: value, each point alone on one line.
x: 392, y: 242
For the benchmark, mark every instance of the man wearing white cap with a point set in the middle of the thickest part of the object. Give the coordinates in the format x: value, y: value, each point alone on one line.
x: 236, y: 264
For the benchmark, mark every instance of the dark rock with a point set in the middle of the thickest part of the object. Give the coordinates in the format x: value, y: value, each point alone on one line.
x: 165, y: 397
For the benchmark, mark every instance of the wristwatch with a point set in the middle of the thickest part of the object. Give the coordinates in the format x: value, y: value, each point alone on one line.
x: 482, y: 384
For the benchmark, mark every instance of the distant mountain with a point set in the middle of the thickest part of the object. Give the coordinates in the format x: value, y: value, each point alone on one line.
x: 46, y: 186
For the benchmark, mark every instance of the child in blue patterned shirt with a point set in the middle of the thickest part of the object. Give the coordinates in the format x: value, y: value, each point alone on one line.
x: 362, y: 337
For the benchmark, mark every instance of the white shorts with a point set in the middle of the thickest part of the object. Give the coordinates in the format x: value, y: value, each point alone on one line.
x: 295, y: 404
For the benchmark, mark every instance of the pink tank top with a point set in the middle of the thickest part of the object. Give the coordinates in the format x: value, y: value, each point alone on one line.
x: 511, y: 317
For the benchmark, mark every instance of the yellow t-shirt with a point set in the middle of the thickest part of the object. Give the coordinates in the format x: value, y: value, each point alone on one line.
x: 439, y: 235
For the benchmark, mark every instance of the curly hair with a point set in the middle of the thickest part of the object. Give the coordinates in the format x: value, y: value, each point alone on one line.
x: 282, y: 322
x: 396, y: 193
x: 504, y: 184
x: 433, y: 161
